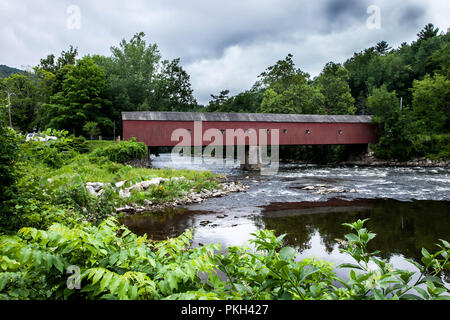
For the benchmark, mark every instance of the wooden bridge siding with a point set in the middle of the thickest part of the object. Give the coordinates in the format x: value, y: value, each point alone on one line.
x: 158, y: 133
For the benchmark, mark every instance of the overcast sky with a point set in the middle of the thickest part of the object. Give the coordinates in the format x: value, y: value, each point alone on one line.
x: 222, y: 44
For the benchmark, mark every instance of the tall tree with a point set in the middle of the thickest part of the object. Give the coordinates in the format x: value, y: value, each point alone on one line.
x: 131, y: 72
x: 24, y: 98
x: 431, y: 104
x: 173, y: 91
x: 82, y: 99
x: 67, y: 58
x: 288, y: 90
x: 382, y: 47
x: 333, y: 85
x: 217, y: 102
x: 428, y: 32
x: 396, y: 132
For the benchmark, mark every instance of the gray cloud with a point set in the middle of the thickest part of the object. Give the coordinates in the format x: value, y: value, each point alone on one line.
x: 223, y: 45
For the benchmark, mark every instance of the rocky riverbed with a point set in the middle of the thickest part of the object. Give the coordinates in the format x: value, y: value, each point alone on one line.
x: 190, y: 197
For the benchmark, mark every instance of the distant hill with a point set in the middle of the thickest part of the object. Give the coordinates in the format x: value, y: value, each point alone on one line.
x: 6, y: 71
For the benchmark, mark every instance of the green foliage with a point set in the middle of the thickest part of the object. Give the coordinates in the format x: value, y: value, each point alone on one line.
x: 435, y: 147
x: 383, y: 104
x: 91, y: 128
x: 123, y: 151
x: 173, y: 90
x: 288, y: 90
x: 67, y: 58
x: 83, y: 98
x: 114, y: 264
x: 24, y: 98
x: 272, y: 272
x: 53, y: 153
x: 9, y: 156
x: 431, y: 104
x: 334, y: 87
x: 248, y: 102
x: 384, y: 281
x: 396, y: 127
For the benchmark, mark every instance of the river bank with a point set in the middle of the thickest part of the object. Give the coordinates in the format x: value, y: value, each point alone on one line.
x: 189, y: 198
x: 370, y: 160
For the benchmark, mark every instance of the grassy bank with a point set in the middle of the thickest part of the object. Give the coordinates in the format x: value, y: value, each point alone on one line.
x: 53, y: 176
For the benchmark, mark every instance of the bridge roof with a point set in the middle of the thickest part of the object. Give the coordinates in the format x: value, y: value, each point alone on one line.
x: 242, y: 117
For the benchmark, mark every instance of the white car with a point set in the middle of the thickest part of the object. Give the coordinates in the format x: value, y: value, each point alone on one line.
x: 38, y: 137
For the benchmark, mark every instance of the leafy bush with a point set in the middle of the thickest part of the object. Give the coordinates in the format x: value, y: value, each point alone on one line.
x: 114, y: 263
x: 122, y: 152
x: 53, y: 153
x: 79, y: 144
x: 272, y: 273
x: 434, y: 147
x: 9, y: 156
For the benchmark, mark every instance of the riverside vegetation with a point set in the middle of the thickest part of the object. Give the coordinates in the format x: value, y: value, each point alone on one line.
x: 50, y: 223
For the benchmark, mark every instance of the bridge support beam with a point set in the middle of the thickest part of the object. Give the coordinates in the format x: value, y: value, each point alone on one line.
x: 359, y: 152
x: 252, y: 159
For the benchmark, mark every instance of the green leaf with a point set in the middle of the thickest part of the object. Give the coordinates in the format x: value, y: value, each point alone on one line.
x: 350, y: 265
x: 280, y: 264
x: 114, y: 284
x: 59, y: 264
x: 445, y: 243
x: 133, y: 292
x: 123, y: 289
x: 288, y: 253
x: 352, y: 237
x: 3, y: 281
x: 434, y: 279
x: 416, y: 264
x: 106, y: 280
x: 98, y: 274
x: 422, y: 292
x: 378, y: 295
x: 172, y: 280
x: 409, y: 296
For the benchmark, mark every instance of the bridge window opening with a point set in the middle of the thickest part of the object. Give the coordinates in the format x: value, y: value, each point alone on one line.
x: 222, y: 130
x: 340, y: 131
x: 268, y: 130
x: 285, y: 131
x: 308, y: 131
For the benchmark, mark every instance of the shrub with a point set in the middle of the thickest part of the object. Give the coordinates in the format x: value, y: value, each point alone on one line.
x: 9, y: 155
x: 114, y: 263
x: 122, y: 152
x: 79, y: 144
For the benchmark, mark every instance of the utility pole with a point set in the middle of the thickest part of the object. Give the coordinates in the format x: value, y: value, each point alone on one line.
x: 401, y: 104
x: 9, y: 108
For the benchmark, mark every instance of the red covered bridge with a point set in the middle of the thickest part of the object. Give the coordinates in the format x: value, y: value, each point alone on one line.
x: 157, y: 128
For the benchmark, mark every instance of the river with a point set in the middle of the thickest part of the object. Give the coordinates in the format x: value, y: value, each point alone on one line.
x: 408, y: 208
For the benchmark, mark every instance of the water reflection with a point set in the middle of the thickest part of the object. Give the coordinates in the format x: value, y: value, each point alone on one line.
x: 402, y: 228
x: 314, y: 228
